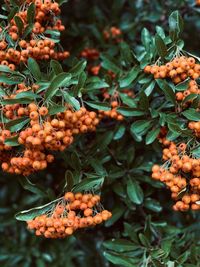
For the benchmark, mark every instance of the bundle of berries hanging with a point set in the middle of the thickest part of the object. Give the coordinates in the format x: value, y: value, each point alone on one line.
x: 113, y: 113
x: 193, y: 88
x: 70, y: 213
x: 113, y: 33
x: 181, y: 174
x: 178, y: 70
x: 43, y: 135
x: 32, y: 31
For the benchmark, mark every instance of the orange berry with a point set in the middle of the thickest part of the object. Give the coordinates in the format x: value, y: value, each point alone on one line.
x: 88, y: 212
x: 43, y: 111
x: 69, y: 196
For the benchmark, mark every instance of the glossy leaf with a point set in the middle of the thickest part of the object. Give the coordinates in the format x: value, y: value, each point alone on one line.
x: 59, y: 81
x: 34, y: 69
x: 134, y: 192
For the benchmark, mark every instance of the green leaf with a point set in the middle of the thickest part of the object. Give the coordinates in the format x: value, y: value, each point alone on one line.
x: 62, y: 2
x: 175, y: 25
x: 75, y: 161
x: 120, y: 260
x: 146, y: 38
x: 19, y: 23
x: 160, y: 32
x: 120, y: 245
x: 144, y: 240
x: 166, y: 245
x: 95, y: 84
x: 27, y: 185
x: 131, y: 232
x: 134, y: 192
x: 97, y: 166
x: 129, y: 77
x: 12, y: 141
x: 139, y: 127
x: 151, y: 136
x: 31, y: 13
x: 196, y: 152
x: 2, y: 92
x: 153, y: 205
x: 167, y: 89
x: 40, y: 263
x: 190, y: 97
x: 69, y: 180
x: 160, y: 46
x: 12, y: 80
x: 182, y: 258
x: 108, y: 64
x: 5, y: 69
x: 129, y: 112
x: 30, y: 214
x: 12, y: 12
x: 88, y: 184
x: 56, y: 109
x: 172, y: 135
x: 191, y: 114
x: 56, y: 67
x: 119, y: 132
x: 54, y: 34
x: 127, y: 100
x: 143, y: 102
x: 103, y: 141
x: 27, y: 94
x: 34, y: 69
x: 78, y: 68
x: 71, y: 100
x: 18, y: 124
x: 18, y: 100
x: 174, y: 127
x: 27, y: 30
x: 59, y: 81
x: 98, y: 105
x: 81, y: 82
x: 3, y: 17
x: 182, y: 86
x: 148, y: 89
x: 126, y: 54
x: 14, y: 3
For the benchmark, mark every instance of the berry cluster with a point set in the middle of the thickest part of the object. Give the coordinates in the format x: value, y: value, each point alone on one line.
x: 38, y: 43
x: 178, y: 69
x: 180, y: 172
x: 113, y: 33
x: 92, y: 56
x: 45, y: 133
x: 106, y: 95
x: 90, y: 53
x: 192, y: 89
x: 111, y: 113
x: 73, y: 212
x: 94, y: 70
x: 28, y: 162
x: 114, y: 99
x: 45, y: 18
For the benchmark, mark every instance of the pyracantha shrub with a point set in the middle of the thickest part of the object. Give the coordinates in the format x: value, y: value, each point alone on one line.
x: 100, y: 107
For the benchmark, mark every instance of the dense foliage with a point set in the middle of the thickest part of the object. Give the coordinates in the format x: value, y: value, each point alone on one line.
x: 131, y: 119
